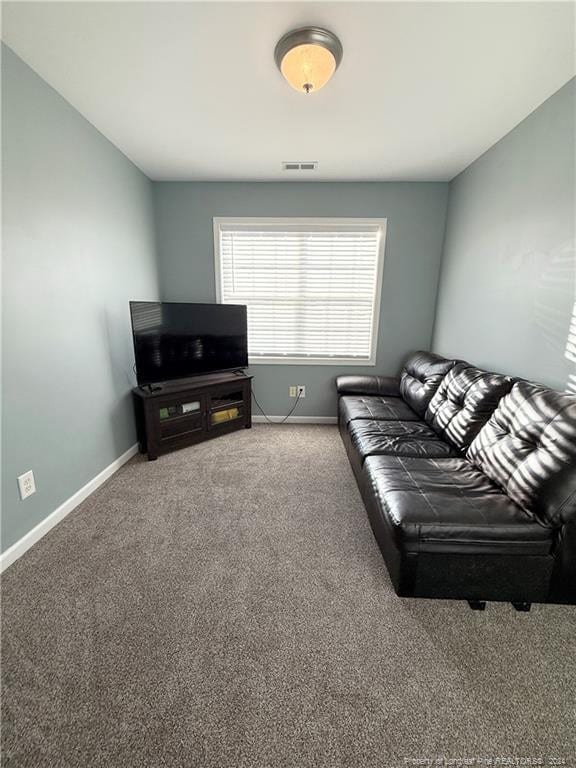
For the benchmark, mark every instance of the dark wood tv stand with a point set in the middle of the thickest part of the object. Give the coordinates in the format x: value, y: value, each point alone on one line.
x: 182, y: 413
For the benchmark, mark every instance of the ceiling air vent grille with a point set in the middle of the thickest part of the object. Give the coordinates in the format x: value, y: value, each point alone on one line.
x: 308, y: 166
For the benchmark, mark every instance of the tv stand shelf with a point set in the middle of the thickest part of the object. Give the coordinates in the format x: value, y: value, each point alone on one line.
x: 187, y: 412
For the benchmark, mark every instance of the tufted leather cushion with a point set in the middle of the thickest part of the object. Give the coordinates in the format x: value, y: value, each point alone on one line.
x: 448, y: 505
x: 378, y: 408
x: 464, y: 401
x: 529, y: 449
x: 396, y: 438
x: 421, y: 377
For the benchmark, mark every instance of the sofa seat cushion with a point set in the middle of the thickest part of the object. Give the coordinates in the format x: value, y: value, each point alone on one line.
x: 421, y: 377
x: 528, y: 448
x: 396, y: 438
x: 375, y: 408
x: 448, y: 505
x: 464, y: 401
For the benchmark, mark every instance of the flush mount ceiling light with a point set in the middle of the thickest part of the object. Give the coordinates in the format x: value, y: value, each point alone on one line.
x: 308, y: 57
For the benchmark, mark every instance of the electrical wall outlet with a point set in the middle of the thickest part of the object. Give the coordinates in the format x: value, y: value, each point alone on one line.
x: 26, y: 484
x: 292, y: 391
x: 301, y: 390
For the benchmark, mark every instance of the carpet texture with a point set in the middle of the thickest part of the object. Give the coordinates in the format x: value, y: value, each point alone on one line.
x: 227, y: 607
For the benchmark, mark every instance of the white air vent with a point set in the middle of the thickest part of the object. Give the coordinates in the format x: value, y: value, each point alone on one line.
x: 308, y: 166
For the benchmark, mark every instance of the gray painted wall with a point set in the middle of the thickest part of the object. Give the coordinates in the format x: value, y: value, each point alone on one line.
x: 78, y: 242
x: 507, y: 287
x: 416, y: 215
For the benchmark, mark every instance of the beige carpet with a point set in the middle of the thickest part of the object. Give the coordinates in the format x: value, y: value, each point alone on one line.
x: 227, y: 606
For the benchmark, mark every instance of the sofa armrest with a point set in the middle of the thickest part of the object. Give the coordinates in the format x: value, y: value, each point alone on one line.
x: 368, y: 385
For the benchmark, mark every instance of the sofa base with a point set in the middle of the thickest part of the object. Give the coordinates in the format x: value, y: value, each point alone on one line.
x: 502, y: 578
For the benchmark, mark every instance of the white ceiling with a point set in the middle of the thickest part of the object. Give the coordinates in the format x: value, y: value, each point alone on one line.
x: 189, y: 90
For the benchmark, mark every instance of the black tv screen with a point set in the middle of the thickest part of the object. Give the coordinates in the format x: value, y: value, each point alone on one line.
x: 176, y: 341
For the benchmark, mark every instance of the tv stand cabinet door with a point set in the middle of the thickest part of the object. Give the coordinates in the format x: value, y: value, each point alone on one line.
x: 175, y: 420
x: 226, y: 406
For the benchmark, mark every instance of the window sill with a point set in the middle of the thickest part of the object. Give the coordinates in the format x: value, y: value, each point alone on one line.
x: 310, y: 361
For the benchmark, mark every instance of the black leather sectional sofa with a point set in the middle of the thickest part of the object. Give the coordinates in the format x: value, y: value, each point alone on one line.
x: 469, y: 480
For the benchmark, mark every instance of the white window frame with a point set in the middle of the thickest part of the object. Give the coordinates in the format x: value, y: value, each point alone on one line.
x: 218, y: 221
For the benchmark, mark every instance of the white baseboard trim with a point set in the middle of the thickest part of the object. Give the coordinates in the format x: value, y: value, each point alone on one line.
x: 17, y: 550
x: 297, y: 419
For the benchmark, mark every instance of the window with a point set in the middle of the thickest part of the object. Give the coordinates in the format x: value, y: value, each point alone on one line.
x: 312, y: 286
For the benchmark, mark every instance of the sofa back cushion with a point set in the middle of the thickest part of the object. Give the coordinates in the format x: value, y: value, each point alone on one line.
x: 464, y: 401
x: 528, y: 448
x: 420, y: 378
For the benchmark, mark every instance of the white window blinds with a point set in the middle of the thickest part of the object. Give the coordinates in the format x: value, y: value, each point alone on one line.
x: 312, y: 287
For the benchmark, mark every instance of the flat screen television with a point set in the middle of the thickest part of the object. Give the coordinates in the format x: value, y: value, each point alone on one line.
x: 176, y: 340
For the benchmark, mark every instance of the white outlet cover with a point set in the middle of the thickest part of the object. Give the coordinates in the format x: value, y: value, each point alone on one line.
x: 26, y: 484
x: 302, y: 390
